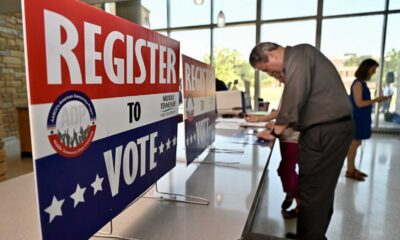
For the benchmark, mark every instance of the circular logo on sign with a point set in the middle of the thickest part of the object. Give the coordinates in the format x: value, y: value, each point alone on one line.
x: 189, y: 107
x: 71, y: 124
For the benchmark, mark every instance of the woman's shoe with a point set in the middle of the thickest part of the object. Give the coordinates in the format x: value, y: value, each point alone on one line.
x: 290, y: 214
x: 355, y: 175
x: 290, y: 235
x: 362, y: 173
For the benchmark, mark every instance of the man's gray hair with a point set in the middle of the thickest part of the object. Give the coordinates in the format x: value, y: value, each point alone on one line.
x: 258, y: 53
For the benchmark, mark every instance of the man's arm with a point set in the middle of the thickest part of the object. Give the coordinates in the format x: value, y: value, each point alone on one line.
x: 266, y: 118
x: 297, y: 87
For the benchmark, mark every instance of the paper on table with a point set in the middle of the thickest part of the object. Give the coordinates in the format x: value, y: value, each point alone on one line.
x: 236, y: 123
x: 231, y: 120
x: 246, y: 138
x: 227, y: 125
x: 253, y: 124
x: 258, y: 113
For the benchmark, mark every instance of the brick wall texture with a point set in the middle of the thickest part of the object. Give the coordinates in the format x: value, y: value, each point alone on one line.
x: 3, y: 163
x: 12, y: 72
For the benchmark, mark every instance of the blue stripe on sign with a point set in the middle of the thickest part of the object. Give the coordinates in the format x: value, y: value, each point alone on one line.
x: 59, y: 177
x: 199, y: 134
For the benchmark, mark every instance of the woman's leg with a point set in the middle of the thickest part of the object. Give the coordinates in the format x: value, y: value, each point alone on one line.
x: 289, y: 178
x: 287, y: 168
x: 351, y: 155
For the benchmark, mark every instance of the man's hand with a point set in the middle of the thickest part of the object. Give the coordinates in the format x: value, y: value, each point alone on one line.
x: 252, y: 118
x: 270, y: 125
x: 265, y: 135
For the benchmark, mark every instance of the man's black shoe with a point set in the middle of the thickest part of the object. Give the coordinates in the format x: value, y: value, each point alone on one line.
x: 287, y: 202
x: 291, y: 235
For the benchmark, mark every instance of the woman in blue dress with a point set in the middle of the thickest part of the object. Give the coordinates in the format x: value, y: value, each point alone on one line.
x: 360, y: 97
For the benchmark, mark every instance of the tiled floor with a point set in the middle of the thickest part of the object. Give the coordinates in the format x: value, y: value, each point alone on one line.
x: 367, y: 210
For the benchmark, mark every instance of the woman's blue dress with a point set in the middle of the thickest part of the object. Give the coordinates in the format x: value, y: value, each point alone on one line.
x: 362, y: 115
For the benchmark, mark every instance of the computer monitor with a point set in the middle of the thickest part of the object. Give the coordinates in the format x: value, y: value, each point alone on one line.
x: 246, y: 100
x: 233, y: 102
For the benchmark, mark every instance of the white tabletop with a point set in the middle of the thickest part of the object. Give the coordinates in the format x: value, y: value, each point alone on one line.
x: 229, y: 188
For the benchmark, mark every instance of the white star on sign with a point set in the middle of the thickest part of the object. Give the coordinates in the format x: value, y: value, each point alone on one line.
x: 97, y: 184
x: 78, y: 195
x: 55, y: 208
x: 161, y: 147
x: 174, y: 141
x: 168, y: 144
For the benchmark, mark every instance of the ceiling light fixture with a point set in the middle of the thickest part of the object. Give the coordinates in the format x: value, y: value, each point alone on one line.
x: 221, y: 19
x: 198, y: 2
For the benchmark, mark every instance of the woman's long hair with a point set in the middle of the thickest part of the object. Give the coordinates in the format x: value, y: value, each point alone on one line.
x: 364, y: 67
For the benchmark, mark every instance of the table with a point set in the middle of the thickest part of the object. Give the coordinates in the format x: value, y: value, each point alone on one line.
x: 230, y: 189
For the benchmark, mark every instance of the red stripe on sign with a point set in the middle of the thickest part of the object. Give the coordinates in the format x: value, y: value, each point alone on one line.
x: 74, y: 46
x: 198, y: 78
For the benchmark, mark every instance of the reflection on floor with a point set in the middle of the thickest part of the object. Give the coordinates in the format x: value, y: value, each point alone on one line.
x: 367, y: 210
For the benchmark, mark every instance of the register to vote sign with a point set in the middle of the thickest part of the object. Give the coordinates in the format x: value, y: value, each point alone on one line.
x: 199, y: 100
x: 103, y: 98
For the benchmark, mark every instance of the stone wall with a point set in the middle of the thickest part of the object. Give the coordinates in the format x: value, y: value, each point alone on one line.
x: 3, y: 163
x: 12, y: 72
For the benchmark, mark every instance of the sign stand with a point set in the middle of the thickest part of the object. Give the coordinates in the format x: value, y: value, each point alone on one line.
x: 201, y: 201
x: 110, y: 235
x: 220, y: 163
x: 228, y: 151
x: 212, y: 149
x: 111, y: 229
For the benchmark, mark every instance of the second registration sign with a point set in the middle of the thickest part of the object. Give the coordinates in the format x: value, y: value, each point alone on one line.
x: 199, y: 106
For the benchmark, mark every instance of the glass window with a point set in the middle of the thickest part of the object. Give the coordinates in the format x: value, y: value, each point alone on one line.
x: 110, y: 7
x: 239, y: 38
x: 233, y: 10
x: 391, y: 75
x: 158, y: 13
x: 334, y: 7
x: 347, y: 41
x: 394, y: 4
x: 232, y: 46
x: 275, y: 9
x: 186, y: 13
x: 194, y: 43
x: 288, y: 33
